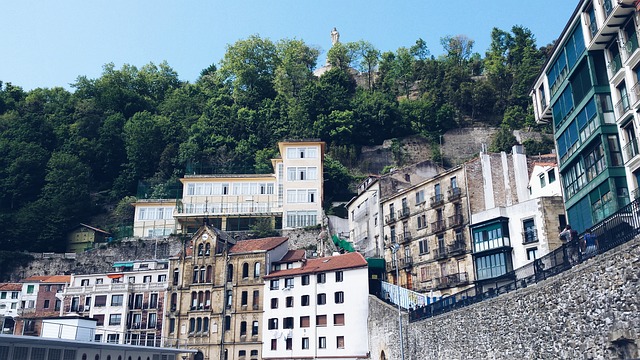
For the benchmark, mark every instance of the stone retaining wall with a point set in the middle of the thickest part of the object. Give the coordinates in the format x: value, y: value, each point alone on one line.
x: 588, y: 312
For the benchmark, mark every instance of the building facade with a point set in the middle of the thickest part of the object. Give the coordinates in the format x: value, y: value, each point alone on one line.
x: 317, y: 309
x: 128, y: 304
x: 428, y: 224
x: 365, y: 219
x: 39, y: 299
x: 9, y: 305
x: 83, y: 237
x: 216, y: 293
x: 588, y: 91
x: 291, y: 197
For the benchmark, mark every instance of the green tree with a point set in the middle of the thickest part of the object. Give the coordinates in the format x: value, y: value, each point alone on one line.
x: 503, y: 140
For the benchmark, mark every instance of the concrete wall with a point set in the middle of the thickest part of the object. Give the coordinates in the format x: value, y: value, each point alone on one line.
x: 588, y: 312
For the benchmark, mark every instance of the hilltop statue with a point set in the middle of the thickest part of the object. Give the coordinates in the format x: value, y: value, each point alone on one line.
x: 335, y: 36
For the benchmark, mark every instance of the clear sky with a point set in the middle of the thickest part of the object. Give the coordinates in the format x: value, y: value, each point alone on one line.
x: 50, y: 43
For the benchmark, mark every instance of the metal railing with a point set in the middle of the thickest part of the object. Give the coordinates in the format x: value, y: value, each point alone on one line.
x: 630, y: 150
x: 454, y: 193
x: 437, y: 200
x: 438, y: 226
x: 456, y: 220
x: 403, y: 213
x: 615, y: 64
x: 622, y: 106
x: 611, y: 232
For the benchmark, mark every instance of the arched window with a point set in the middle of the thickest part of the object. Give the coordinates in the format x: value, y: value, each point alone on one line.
x: 194, y: 300
x: 176, y: 276
x: 195, y: 275
x: 200, y: 250
x: 200, y: 300
x: 207, y: 250
x: 256, y: 270
x: 199, y: 325
x: 97, y: 357
x: 229, y: 272
x: 207, y: 299
x: 202, y: 274
x: 205, y: 325
x: 192, y: 325
x: 209, y: 273
x: 245, y: 270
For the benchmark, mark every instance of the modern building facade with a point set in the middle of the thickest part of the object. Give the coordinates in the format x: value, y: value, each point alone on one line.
x: 291, y: 197
x: 216, y: 294
x: 588, y: 91
x: 429, y: 223
x: 317, y: 309
x: 128, y: 304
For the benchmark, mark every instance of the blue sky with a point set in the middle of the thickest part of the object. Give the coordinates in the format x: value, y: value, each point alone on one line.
x: 51, y: 43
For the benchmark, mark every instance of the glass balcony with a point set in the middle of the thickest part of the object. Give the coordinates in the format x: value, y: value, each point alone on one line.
x: 632, y: 44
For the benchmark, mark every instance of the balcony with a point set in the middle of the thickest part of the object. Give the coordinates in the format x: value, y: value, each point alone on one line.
x: 403, y: 213
x: 529, y: 236
x: 437, y: 200
x: 456, y: 220
x: 622, y: 106
x: 391, y: 266
x: 630, y: 150
x: 452, y: 280
x: 404, y: 238
x: 615, y: 64
x: 440, y: 253
x: 454, y: 193
x: 391, y: 218
x: 459, y: 247
x: 406, y: 262
x: 631, y: 45
x: 438, y: 226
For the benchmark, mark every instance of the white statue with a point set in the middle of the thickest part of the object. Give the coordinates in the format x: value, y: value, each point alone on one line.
x: 335, y: 36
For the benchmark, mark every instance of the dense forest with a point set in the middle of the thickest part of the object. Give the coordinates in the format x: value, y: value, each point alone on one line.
x: 66, y: 155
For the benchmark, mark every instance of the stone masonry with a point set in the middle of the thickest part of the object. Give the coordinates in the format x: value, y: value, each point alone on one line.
x: 588, y: 312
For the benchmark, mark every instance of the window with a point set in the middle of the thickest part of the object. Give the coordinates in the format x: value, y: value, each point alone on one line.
x: 274, y: 344
x: 304, y: 321
x: 113, y: 338
x: 305, y: 343
x: 114, y: 319
x: 321, y: 278
x: 274, y: 285
x: 84, y: 282
x: 230, y: 273
x: 3, y: 295
x: 322, y: 299
x: 30, y: 289
x: 254, y: 329
x: 304, y: 300
x: 274, y: 303
x: 340, y: 342
x: 532, y: 253
x: 256, y: 270
x: 305, y: 280
x: 242, y: 353
x: 245, y: 270
x: 338, y: 319
x: 153, y: 301
x: 339, y: 297
x: 419, y: 197
x: 172, y: 325
x: 287, y: 323
x: 542, y: 181
x: 272, y: 324
x: 152, y: 320
x: 116, y: 300
x: 614, y: 150
x: 322, y: 342
x: 321, y: 320
x: 229, y: 298
x: 244, y: 298
x: 146, y: 279
x: 289, y: 343
x: 46, y: 304
x: 227, y: 323
x: 101, y: 300
x: 289, y: 302
x: 300, y: 218
x: 288, y: 283
x: 98, y: 281
x: 422, y: 221
x: 552, y: 176
x: 424, y: 246
x: 137, y: 302
x: 162, y: 278
x: 243, y: 328
x: 256, y: 299
x: 339, y: 276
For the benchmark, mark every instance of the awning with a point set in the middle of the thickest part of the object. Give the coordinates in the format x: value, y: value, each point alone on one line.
x: 115, y: 276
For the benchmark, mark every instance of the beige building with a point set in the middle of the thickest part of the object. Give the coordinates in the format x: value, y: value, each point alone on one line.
x: 291, y: 197
x: 216, y: 294
x: 83, y: 237
x: 429, y: 223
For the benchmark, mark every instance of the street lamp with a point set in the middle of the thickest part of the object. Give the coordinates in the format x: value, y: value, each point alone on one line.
x: 394, y: 249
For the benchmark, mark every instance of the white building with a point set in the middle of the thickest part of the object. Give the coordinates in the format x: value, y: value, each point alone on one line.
x: 291, y: 197
x: 128, y: 304
x: 317, y: 308
x: 9, y: 304
x: 365, y: 219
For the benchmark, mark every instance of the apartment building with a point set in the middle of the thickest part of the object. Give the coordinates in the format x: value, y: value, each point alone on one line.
x: 216, y: 294
x: 291, y: 197
x: 427, y: 223
x: 9, y: 304
x: 515, y: 215
x: 128, y: 304
x: 40, y: 298
x: 317, y: 309
x: 588, y: 91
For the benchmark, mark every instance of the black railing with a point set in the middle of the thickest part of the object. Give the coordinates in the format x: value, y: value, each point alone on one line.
x: 437, y: 200
x: 611, y: 232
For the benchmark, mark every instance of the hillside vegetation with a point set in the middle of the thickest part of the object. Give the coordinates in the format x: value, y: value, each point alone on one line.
x: 65, y: 155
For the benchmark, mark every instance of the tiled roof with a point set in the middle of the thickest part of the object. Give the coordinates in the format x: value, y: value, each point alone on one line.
x: 292, y: 255
x: 330, y: 263
x: 257, y: 244
x: 95, y: 229
x: 57, y: 279
x: 10, y: 286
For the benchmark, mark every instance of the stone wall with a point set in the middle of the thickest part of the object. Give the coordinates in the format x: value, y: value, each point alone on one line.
x: 459, y: 145
x: 588, y: 312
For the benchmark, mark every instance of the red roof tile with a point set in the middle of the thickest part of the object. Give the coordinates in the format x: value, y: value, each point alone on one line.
x: 292, y: 255
x: 330, y: 263
x: 11, y: 287
x: 58, y: 279
x: 257, y: 244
